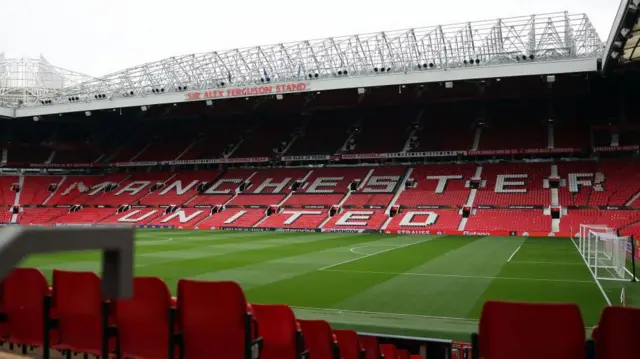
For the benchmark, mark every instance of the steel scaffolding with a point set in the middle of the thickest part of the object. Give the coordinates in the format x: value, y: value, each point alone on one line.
x: 544, y: 37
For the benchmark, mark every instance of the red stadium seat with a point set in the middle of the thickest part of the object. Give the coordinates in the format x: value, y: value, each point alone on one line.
x: 371, y: 347
x: 143, y: 321
x: 530, y: 331
x: 349, y: 344
x: 415, y: 356
x: 403, y: 354
x: 24, y: 292
x: 618, y: 333
x: 80, y: 311
x: 281, y: 337
x: 214, y: 321
x: 319, y: 339
x: 389, y: 351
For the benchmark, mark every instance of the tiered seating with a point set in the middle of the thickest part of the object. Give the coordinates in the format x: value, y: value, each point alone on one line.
x: 621, y: 183
x: 28, y: 154
x: 34, y: 190
x: 223, y: 188
x: 384, y: 130
x: 447, y: 128
x: 311, y: 218
x: 367, y: 219
x: 523, y: 186
x: 233, y: 217
x: 151, y: 324
x: 217, y: 136
x: 612, y: 218
x: 135, y: 216
x: 503, y: 132
x: 323, y: 135
x: 132, y: 189
x: 182, y: 217
x: 427, y: 193
x: 608, y: 183
x: 7, y: 196
x: 129, y: 152
x: 82, y: 189
x: 5, y: 215
x: 86, y: 216
x: 39, y: 215
x: 269, y: 187
x: 180, y: 189
x: 378, y: 189
x: 326, y: 186
x: 261, y: 142
x: 368, y: 199
x: 574, y: 193
x: 425, y: 220
x: 302, y: 200
x: 256, y: 199
x: 509, y: 220
x: 571, y: 134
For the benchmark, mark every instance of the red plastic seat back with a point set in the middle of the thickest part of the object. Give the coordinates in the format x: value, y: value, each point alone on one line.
x: 143, y: 320
x: 389, y: 351
x: 78, y: 304
x: 212, y: 319
x: 277, y: 324
x: 403, y: 354
x: 618, y: 333
x: 24, y: 292
x: 415, y: 356
x: 371, y: 347
x: 349, y: 344
x: 318, y: 338
x: 531, y: 331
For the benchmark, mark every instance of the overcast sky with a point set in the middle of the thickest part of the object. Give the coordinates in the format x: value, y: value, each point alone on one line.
x: 97, y: 37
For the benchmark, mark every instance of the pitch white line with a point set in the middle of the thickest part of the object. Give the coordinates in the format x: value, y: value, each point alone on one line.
x: 372, y: 254
x: 514, y: 252
x: 554, y: 263
x: 354, y: 251
x: 459, y: 276
x: 604, y: 294
x: 338, y: 311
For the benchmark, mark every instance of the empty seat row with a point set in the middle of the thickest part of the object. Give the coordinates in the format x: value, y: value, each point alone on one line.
x: 553, y: 331
x: 205, y: 320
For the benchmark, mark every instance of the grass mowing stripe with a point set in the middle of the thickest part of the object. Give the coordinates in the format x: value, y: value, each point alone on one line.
x: 172, y: 271
x: 459, y: 276
x: 323, y: 288
x: 372, y: 254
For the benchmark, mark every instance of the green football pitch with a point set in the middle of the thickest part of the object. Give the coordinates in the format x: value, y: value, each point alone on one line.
x: 431, y: 286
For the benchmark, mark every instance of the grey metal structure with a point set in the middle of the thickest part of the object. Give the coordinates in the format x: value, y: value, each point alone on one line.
x: 534, y: 38
x: 116, y: 244
x: 25, y: 81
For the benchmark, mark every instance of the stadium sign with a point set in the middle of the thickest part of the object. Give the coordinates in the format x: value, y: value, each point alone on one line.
x: 214, y: 94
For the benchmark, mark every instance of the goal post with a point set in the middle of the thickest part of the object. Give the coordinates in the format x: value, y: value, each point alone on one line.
x: 605, y: 253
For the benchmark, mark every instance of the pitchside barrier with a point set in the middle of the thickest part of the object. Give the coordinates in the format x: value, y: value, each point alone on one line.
x: 446, y: 232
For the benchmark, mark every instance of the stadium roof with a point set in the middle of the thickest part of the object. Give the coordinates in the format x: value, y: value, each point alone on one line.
x: 528, y: 45
x: 624, y: 36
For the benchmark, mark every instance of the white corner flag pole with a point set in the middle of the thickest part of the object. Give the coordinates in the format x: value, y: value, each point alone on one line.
x: 623, y: 297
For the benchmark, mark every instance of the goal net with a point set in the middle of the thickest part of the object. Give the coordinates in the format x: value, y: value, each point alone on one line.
x: 604, y: 252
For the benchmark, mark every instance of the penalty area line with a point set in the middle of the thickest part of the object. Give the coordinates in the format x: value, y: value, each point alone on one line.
x: 516, y: 251
x: 372, y: 254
